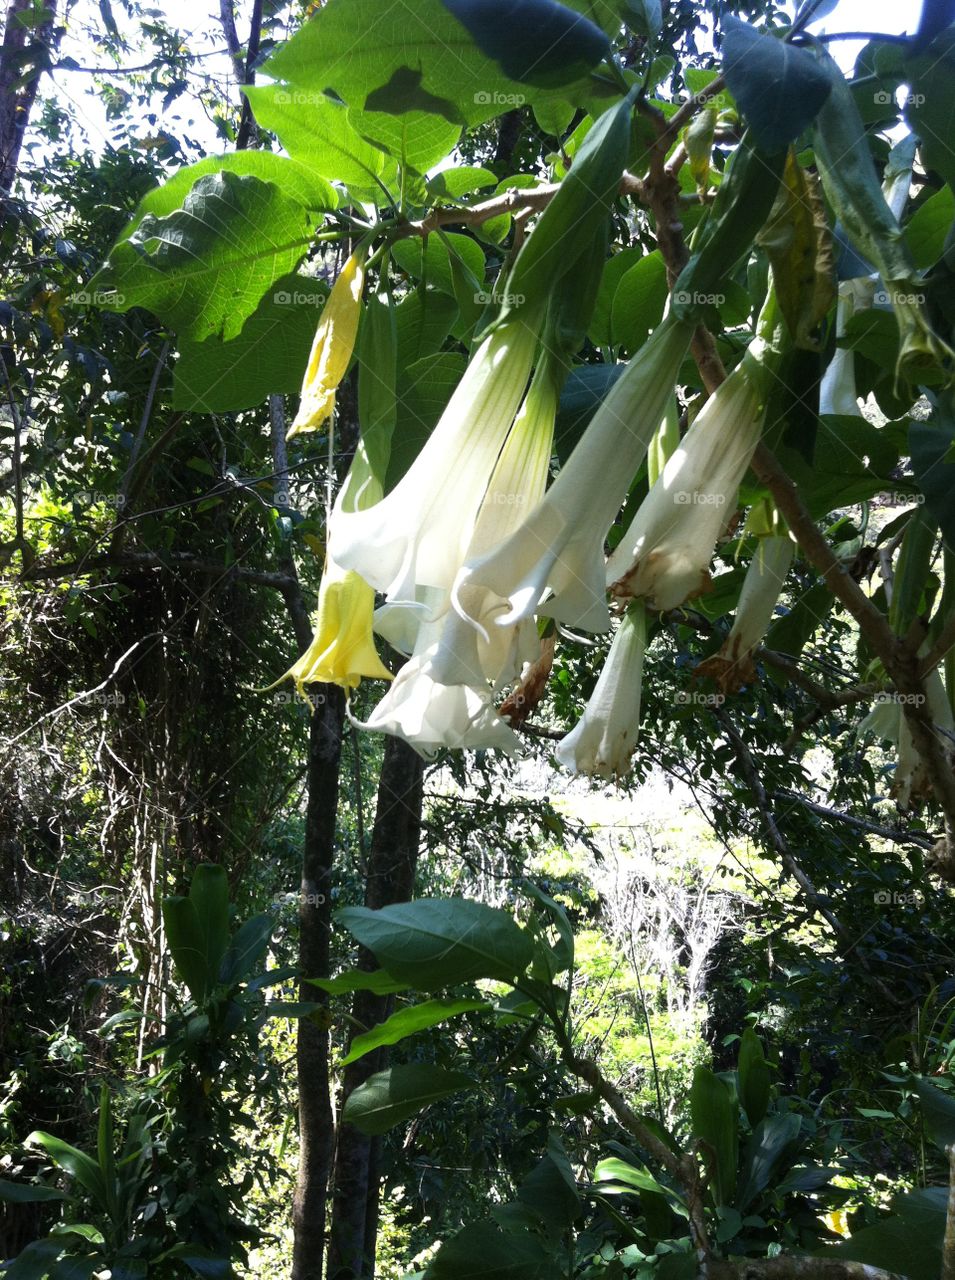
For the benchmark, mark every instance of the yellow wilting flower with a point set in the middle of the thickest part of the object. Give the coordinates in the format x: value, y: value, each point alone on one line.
x: 342, y: 650
x: 332, y: 348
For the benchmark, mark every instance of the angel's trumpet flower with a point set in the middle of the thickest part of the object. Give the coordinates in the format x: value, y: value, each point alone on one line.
x: 604, y: 739
x: 732, y: 666
x: 911, y: 782
x: 332, y: 349
x: 664, y: 556
x: 443, y: 695
x: 418, y: 535
x: 560, y: 546
x: 837, y: 390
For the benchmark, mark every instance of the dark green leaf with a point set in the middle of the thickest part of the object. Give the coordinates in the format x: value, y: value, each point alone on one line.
x: 389, y: 1097
x: 930, y: 443
x: 779, y: 88
x: 28, y: 1192
x: 246, y: 949
x: 441, y: 942
x: 537, y: 42
x: 772, y: 1139
x: 713, y: 1111
x: 82, y: 1167
x: 406, y: 1022
x: 482, y: 1251
x: 753, y: 1071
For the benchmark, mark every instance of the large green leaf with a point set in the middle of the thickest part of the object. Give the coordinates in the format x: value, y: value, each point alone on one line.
x: 425, y: 387
x: 28, y: 1192
x: 318, y: 132
x: 930, y: 103
x: 389, y: 1097
x: 930, y: 444
x: 550, y: 1189
x: 537, y: 42
x: 296, y: 181
x: 268, y: 357
x: 406, y: 1022
x: 616, y: 266
x: 77, y: 1163
x: 38, y: 1260
x: 638, y: 302
x: 429, y: 260
x: 928, y: 227
x: 204, y: 268
x: 416, y: 139
x: 441, y: 942
x: 909, y: 1242
x: 401, y: 57
x: 938, y: 1112
x: 773, y: 1138
x: 378, y: 982
x: 853, y: 460
x: 753, y: 1071
x: 197, y: 928
x: 779, y: 88
x: 713, y: 1111
x: 482, y: 1251
x: 246, y: 949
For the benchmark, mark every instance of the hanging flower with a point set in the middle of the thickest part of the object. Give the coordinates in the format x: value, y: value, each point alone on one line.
x: 418, y: 535
x: 911, y: 783
x: 732, y: 666
x: 837, y: 390
x: 332, y: 349
x: 560, y: 546
x: 605, y: 737
x: 443, y: 696
x: 664, y: 556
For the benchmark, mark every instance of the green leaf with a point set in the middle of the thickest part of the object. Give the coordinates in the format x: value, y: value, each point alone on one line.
x: 910, y: 1242
x: 773, y: 1138
x: 378, y: 982
x: 753, y: 1071
x: 77, y: 1163
x: 646, y: 17
x: 793, y: 631
x: 550, y: 1189
x: 853, y: 461
x: 482, y: 1251
x: 416, y: 139
x: 928, y: 227
x: 938, y: 1112
x: 246, y: 949
x: 613, y: 1169
x: 28, y: 1192
x: 930, y: 443
x: 268, y: 357
x: 930, y: 102
x: 404, y: 57
x: 424, y: 390
x: 204, y: 268
x: 599, y: 331
x: 37, y: 1260
x: 318, y: 133
x: 713, y: 1112
x: 406, y: 1022
x: 423, y: 321
x: 441, y: 942
x: 779, y: 88
x: 389, y: 1097
x: 537, y: 42
x: 638, y: 302
x: 198, y: 929
x: 296, y: 181
x: 452, y: 184
x: 429, y: 260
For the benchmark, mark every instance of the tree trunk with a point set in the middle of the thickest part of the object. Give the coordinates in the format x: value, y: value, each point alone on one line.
x: 24, y: 52
x: 391, y: 871
x: 316, y: 1122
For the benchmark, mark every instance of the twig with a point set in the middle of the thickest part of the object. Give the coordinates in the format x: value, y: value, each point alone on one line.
x: 849, y: 820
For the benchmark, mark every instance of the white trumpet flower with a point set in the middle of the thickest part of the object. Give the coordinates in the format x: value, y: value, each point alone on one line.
x: 732, y: 666
x: 664, y: 556
x: 886, y: 720
x: 837, y: 390
x: 560, y: 545
x: 443, y: 696
x: 417, y: 536
x: 604, y: 739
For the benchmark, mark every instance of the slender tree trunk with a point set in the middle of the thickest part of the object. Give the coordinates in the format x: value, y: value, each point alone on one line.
x: 392, y: 862
x: 24, y: 52
x: 316, y: 1122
